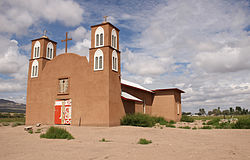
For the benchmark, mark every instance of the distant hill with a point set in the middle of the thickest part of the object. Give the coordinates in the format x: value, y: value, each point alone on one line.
x: 11, y: 106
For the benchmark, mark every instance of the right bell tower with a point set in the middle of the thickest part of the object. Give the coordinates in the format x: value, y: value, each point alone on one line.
x: 105, y: 63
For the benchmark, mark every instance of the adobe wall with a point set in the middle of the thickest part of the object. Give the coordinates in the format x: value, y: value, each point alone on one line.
x: 147, y: 97
x: 165, y: 105
x: 88, y: 92
x: 129, y: 106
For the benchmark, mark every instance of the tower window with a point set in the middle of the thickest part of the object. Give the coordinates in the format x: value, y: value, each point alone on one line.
x: 114, y: 61
x: 98, y: 60
x: 50, y: 49
x: 113, y: 39
x: 34, y: 69
x: 99, y: 37
x: 36, y: 51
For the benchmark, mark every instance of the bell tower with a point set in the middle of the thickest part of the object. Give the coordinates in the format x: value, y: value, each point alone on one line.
x: 42, y: 50
x: 104, y: 59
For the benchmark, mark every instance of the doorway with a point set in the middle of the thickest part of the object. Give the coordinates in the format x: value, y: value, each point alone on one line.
x: 63, y: 111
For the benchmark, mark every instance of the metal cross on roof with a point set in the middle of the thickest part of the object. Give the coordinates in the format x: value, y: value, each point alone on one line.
x: 105, y: 18
x: 44, y: 32
x: 66, y: 40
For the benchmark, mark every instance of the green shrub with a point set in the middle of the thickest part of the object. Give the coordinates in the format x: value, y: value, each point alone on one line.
x: 144, y: 141
x: 57, y: 133
x: 224, y: 126
x: 214, y: 121
x: 104, y: 140
x: 242, y: 123
x: 159, y: 120
x: 194, y: 128
x: 206, y: 127
x: 30, y: 131
x: 187, y: 119
x: 142, y: 120
x: 17, y: 124
x: 172, y: 122
x: 5, y: 124
x: 170, y: 125
x: 186, y: 127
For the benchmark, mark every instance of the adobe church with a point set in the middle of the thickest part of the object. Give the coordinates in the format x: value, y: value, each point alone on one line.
x: 69, y: 89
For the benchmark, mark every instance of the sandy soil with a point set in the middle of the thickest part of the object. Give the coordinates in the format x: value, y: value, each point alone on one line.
x: 167, y: 144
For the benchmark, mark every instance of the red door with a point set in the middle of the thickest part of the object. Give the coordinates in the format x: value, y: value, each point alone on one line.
x: 63, y: 112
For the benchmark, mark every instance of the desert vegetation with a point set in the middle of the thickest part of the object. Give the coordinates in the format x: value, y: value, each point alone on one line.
x: 144, y: 141
x: 57, y: 133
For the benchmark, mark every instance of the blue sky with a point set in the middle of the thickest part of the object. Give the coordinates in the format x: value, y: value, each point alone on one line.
x: 201, y: 47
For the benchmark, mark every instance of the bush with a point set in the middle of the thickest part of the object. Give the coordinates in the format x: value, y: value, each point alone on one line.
x: 17, y: 124
x: 187, y: 119
x: 104, y: 140
x: 57, y: 133
x: 170, y: 125
x: 206, y: 127
x: 194, y: 128
x: 242, y: 123
x: 172, y: 122
x: 142, y: 120
x: 30, y: 131
x: 144, y: 141
x: 214, y: 121
x: 186, y: 127
x: 5, y: 124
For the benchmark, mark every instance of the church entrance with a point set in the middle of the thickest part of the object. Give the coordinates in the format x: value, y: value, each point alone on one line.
x: 63, y: 111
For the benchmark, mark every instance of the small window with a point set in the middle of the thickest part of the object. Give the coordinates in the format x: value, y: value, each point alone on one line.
x: 63, y: 85
x: 114, y: 61
x: 50, y: 49
x: 98, y: 60
x: 99, y: 37
x: 36, y: 51
x: 97, y: 40
x: 113, y: 39
x: 34, y: 69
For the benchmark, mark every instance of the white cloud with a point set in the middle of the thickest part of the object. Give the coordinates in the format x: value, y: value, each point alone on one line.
x: 206, y: 45
x: 17, y: 16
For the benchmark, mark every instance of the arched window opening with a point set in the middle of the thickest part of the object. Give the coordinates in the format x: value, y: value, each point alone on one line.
x: 97, y: 40
x: 113, y: 39
x: 98, y: 60
x: 114, y: 61
x: 36, y: 51
x: 99, y: 37
x: 50, y: 49
x: 34, y: 69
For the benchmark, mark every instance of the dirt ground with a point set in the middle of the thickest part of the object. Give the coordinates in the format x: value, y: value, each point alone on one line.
x: 167, y: 144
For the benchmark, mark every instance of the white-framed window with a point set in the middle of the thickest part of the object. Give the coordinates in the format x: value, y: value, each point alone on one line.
x: 34, y: 69
x: 98, y: 60
x: 99, y: 37
x: 36, y: 51
x: 114, y: 61
x: 113, y: 39
x: 178, y: 108
x: 49, y: 51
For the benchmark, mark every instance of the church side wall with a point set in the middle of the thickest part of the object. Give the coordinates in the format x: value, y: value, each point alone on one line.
x: 165, y: 105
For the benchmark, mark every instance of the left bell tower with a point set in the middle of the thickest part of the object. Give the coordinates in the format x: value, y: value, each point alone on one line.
x: 43, y: 50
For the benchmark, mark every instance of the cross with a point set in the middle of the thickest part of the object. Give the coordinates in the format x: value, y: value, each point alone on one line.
x: 105, y: 18
x: 65, y: 40
x: 44, y: 33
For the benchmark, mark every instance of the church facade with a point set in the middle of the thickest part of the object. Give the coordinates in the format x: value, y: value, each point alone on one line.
x: 69, y: 89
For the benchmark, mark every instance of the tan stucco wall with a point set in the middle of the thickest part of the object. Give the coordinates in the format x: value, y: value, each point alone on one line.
x: 165, y: 105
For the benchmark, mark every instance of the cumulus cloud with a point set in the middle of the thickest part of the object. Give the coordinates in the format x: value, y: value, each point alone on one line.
x: 207, y: 47
x: 18, y: 15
